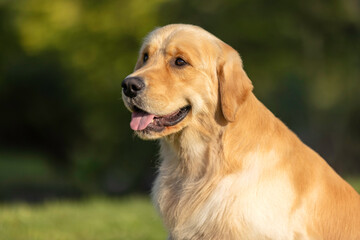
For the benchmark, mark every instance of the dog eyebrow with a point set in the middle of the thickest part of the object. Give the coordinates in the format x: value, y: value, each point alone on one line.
x: 190, y: 53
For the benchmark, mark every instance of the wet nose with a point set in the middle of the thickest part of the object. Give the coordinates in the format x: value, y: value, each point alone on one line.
x: 132, y: 86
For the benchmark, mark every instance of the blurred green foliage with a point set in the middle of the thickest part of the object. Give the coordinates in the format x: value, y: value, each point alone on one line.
x: 62, y: 63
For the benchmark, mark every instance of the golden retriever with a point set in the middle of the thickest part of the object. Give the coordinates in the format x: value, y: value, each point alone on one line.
x: 230, y: 169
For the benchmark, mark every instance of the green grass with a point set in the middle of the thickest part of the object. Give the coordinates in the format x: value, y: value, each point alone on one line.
x: 127, y: 218
x: 93, y: 219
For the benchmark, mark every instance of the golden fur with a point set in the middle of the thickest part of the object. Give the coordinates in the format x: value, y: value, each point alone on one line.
x: 231, y: 169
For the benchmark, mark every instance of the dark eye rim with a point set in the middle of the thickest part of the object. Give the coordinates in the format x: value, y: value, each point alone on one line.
x: 180, y: 62
x: 145, y: 57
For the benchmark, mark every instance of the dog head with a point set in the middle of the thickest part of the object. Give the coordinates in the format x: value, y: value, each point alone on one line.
x: 183, y: 76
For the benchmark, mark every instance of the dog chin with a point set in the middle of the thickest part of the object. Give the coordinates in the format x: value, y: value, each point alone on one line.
x: 147, y: 134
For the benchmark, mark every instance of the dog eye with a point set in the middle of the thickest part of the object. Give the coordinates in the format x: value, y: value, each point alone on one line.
x: 146, y: 57
x: 180, y: 62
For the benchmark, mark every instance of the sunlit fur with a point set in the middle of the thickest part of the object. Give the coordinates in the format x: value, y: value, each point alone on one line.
x: 231, y: 169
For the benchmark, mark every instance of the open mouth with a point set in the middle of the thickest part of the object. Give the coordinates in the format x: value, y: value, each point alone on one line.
x: 141, y: 120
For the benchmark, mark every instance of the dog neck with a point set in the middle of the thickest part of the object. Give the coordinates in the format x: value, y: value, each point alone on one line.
x: 207, y: 147
x: 189, y: 153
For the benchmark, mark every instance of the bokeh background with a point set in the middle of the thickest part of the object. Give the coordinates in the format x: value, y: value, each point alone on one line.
x: 64, y: 132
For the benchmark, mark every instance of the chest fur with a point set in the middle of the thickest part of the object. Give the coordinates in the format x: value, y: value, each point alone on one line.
x: 235, y: 206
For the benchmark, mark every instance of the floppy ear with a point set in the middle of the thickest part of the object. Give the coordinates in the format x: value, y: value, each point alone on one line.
x: 234, y: 84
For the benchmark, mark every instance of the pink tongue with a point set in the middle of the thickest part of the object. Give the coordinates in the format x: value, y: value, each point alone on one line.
x: 140, y: 120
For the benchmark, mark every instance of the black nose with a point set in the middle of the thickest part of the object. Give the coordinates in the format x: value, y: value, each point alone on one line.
x: 132, y: 86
